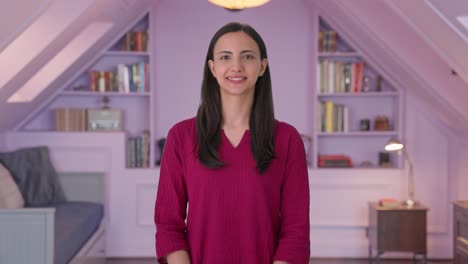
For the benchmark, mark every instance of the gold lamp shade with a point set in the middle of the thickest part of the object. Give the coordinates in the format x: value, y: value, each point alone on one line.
x: 238, y: 4
x: 394, y: 145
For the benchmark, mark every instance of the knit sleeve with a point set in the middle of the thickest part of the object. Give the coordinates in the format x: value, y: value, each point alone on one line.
x: 171, y: 201
x: 294, y: 240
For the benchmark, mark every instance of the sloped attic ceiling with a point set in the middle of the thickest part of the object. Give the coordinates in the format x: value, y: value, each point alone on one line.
x: 20, y: 60
x: 430, y: 19
x: 390, y: 39
x: 393, y: 35
x: 20, y: 18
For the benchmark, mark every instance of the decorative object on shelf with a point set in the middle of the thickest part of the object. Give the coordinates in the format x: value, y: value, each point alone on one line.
x: 381, y: 123
x: 105, y: 102
x: 238, y: 4
x: 80, y: 88
x: 378, y: 84
x: 308, y: 147
x: 334, y: 161
x: 384, y: 160
x: 104, y: 119
x: 160, y: 146
x: 396, y: 145
x: 366, y: 164
x: 366, y: 84
x: 364, y: 124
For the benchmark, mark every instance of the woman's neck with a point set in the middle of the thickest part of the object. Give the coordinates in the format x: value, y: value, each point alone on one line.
x: 236, y: 112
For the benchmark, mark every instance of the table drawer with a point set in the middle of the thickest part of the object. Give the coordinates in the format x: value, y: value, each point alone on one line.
x: 460, y: 232
x: 461, y: 251
x: 461, y: 226
x: 461, y: 215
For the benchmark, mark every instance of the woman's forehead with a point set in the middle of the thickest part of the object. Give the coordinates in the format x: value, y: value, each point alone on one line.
x: 235, y: 42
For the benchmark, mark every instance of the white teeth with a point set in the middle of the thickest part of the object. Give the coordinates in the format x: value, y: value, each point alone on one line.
x: 236, y: 79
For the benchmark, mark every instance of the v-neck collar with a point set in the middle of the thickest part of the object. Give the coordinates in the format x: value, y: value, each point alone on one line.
x: 241, y: 142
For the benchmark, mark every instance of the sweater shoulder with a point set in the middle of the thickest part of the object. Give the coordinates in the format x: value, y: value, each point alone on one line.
x: 183, y: 134
x: 285, y: 130
x: 184, y: 126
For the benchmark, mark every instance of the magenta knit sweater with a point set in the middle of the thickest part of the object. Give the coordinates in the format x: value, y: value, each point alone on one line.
x: 235, y: 215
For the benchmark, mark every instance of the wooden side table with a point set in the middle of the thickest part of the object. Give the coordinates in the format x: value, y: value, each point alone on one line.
x: 460, y: 232
x: 398, y: 228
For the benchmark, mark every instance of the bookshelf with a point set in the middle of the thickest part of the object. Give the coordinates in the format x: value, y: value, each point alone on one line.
x: 356, y: 110
x: 119, y: 75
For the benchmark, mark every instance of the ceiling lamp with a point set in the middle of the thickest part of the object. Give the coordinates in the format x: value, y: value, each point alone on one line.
x: 238, y: 4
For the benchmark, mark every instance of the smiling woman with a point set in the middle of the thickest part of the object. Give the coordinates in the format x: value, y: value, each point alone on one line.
x: 244, y: 172
x: 237, y: 64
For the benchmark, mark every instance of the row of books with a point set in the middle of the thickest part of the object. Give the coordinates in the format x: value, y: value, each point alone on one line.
x: 127, y: 79
x: 332, y: 117
x: 134, y: 41
x: 70, y: 119
x: 327, y: 41
x: 340, y: 77
x: 138, y: 150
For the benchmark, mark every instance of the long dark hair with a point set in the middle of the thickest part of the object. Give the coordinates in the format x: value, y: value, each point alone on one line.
x: 209, y: 115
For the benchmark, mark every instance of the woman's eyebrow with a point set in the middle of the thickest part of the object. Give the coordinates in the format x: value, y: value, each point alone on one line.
x: 247, y: 51
x: 242, y: 52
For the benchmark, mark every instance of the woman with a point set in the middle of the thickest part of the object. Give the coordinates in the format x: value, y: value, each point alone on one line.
x: 242, y: 174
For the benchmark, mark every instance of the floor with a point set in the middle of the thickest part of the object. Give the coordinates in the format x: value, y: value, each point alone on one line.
x: 312, y: 261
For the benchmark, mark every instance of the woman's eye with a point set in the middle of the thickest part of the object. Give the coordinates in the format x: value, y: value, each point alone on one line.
x: 224, y: 57
x: 248, y: 57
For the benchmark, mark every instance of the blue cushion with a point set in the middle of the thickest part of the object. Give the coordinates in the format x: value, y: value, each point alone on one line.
x: 75, y: 222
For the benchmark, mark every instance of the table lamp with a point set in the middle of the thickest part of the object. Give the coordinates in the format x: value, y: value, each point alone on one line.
x: 396, y: 145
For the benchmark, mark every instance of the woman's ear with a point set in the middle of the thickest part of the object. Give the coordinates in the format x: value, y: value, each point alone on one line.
x: 263, y: 67
x: 211, y: 66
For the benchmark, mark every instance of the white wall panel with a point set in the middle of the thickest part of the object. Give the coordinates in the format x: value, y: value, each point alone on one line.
x: 145, y: 198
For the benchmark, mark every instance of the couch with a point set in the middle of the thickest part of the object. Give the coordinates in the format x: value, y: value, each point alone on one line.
x: 60, y: 219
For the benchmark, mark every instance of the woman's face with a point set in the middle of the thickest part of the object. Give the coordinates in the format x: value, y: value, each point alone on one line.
x: 237, y: 64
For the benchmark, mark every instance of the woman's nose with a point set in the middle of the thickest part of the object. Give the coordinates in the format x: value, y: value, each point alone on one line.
x: 237, y: 64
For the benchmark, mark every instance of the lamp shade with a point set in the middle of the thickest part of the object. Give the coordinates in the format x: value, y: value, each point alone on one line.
x: 394, y: 145
x: 238, y: 4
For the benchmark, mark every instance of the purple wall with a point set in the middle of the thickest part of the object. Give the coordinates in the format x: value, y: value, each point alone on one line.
x: 181, y: 39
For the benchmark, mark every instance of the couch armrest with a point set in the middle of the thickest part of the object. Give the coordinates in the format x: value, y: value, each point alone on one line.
x: 28, y: 210
x: 27, y: 235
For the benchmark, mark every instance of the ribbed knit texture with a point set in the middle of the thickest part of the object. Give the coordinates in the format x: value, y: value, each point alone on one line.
x: 235, y: 214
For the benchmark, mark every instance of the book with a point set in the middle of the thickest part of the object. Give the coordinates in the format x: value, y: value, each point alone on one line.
x: 389, y: 202
x: 334, y: 161
x: 329, y: 106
